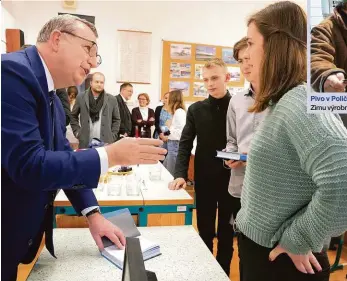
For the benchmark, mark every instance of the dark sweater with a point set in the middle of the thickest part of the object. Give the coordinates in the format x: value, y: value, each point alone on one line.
x: 157, y: 120
x: 206, y: 120
x: 125, y: 117
x: 63, y: 96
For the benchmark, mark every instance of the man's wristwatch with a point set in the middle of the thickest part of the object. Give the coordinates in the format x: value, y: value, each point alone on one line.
x: 94, y: 211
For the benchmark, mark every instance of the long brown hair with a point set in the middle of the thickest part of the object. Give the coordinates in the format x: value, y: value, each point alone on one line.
x: 284, y: 28
x: 176, y: 101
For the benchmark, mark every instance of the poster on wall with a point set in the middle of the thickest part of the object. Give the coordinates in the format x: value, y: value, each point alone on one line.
x: 180, y: 70
x: 198, y: 71
x: 235, y: 73
x: 180, y: 85
x: 134, y: 53
x: 180, y: 51
x: 228, y: 56
x: 200, y: 90
x: 205, y: 52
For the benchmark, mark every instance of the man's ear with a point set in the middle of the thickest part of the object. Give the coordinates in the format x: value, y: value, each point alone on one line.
x: 55, y: 40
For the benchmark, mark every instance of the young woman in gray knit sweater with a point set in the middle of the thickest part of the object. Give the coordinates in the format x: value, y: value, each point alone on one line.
x: 294, y: 195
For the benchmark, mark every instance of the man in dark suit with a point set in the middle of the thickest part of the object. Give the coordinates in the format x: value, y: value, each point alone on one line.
x: 126, y: 91
x: 36, y: 160
x: 61, y: 94
x: 97, y: 112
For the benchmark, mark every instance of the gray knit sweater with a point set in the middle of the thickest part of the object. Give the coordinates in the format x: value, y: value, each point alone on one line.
x: 295, y: 188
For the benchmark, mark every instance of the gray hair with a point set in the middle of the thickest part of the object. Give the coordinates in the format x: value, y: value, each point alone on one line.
x: 62, y: 23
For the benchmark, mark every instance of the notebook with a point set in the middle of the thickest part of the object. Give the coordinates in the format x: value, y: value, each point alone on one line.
x: 123, y: 219
x: 231, y: 156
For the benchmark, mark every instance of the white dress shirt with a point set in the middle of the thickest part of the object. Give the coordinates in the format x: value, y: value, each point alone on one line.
x: 101, y: 150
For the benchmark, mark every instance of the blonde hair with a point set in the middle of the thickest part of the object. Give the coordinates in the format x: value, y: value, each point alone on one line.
x: 175, y: 101
x: 146, y: 96
x: 216, y: 62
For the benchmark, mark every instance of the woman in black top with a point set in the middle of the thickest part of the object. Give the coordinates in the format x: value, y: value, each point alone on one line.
x: 161, y: 116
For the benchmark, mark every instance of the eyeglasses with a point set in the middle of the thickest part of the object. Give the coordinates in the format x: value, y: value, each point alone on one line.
x: 92, y: 50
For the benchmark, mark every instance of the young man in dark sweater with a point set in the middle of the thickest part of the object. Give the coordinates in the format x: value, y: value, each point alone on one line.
x: 206, y: 120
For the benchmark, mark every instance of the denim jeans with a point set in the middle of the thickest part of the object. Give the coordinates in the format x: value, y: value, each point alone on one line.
x: 172, y: 151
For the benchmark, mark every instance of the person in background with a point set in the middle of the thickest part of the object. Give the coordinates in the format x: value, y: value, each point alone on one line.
x: 206, y: 120
x: 36, y: 159
x: 72, y: 93
x: 329, y: 52
x: 64, y: 99
x: 162, y: 115
x: 95, y: 114
x: 241, y: 126
x: 126, y: 91
x: 142, y: 117
x: 294, y: 195
x: 176, y: 124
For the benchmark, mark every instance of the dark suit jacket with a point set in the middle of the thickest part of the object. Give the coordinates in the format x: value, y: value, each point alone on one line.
x: 64, y: 98
x: 157, y: 112
x: 34, y: 165
x: 125, y: 117
x: 145, y: 125
x: 110, y: 119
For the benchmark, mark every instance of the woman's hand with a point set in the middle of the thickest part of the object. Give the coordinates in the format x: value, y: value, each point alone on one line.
x: 302, y: 263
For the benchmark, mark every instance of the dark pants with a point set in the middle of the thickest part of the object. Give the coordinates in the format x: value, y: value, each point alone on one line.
x: 207, y: 200
x: 9, y: 273
x: 256, y: 265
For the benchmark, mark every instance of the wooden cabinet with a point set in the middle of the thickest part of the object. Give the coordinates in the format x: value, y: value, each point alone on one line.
x: 14, y: 40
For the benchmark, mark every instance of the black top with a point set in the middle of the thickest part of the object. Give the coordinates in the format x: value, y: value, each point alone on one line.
x: 207, y: 121
x: 63, y: 96
x: 156, y: 121
x: 125, y: 117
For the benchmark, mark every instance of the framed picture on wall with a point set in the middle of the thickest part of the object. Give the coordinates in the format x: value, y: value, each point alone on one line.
x: 180, y: 51
x: 205, y: 52
x: 180, y: 85
x: 198, y: 71
x: 199, y: 90
x: 228, y: 56
x: 235, y: 73
x: 180, y: 70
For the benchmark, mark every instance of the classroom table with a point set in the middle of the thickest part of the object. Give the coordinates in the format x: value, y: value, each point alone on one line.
x: 184, y: 257
x: 159, y: 199
x: 154, y: 198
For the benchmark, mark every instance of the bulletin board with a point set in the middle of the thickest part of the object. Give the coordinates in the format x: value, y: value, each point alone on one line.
x: 182, y: 68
